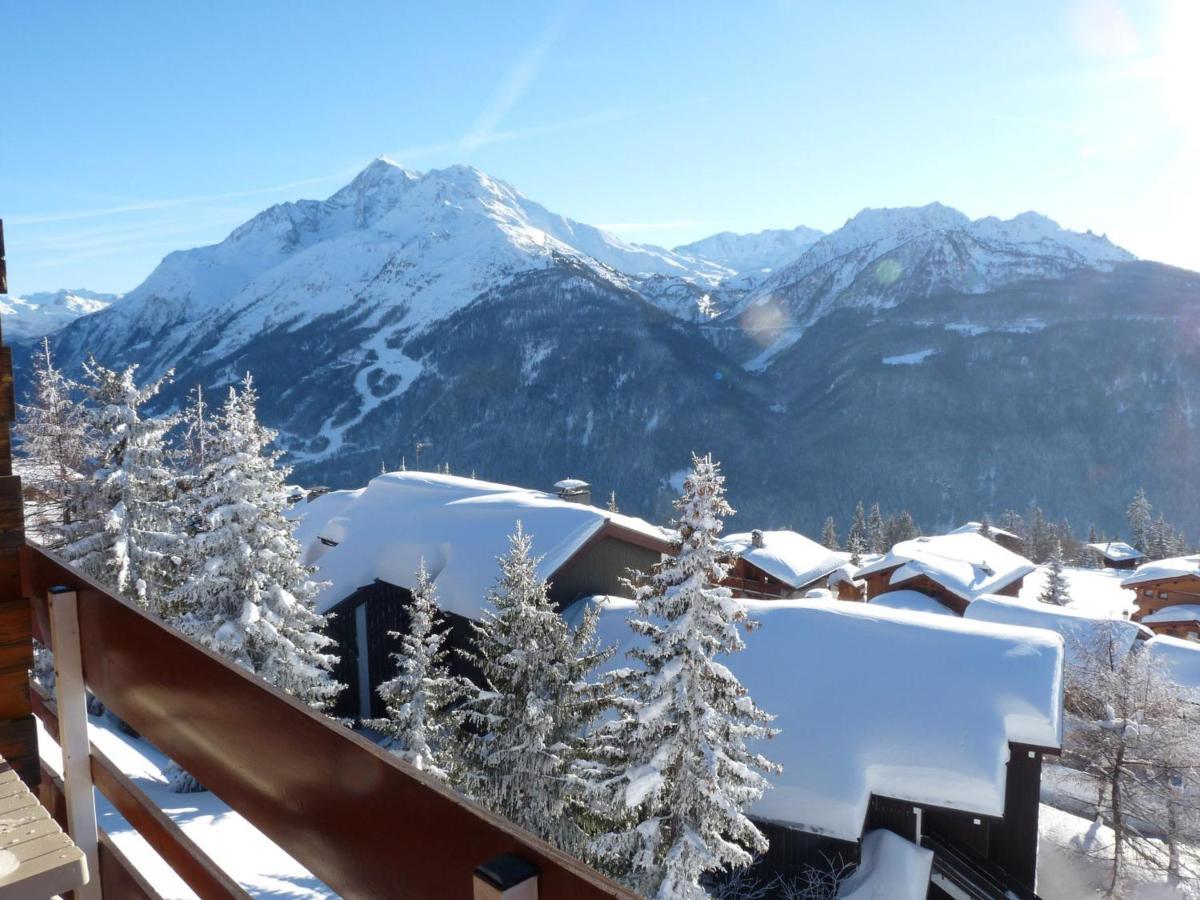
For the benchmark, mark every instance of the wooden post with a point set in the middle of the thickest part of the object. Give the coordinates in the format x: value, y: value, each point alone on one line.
x: 71, y: 695
x: 506, y: 877
x: 18, y: 731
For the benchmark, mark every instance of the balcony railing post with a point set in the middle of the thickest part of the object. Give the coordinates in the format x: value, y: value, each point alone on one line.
x: 71, y: 695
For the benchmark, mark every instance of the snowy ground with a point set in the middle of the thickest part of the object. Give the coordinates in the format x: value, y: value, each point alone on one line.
x: 1097, y: 592
x: 261, y: 867
x: 1074, y: 860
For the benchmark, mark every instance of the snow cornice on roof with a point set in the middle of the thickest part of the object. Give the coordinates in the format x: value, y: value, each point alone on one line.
x: 964, y: 563
x: 1171, y: 569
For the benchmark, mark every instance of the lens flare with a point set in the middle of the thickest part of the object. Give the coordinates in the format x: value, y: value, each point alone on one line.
x: 764, y: 321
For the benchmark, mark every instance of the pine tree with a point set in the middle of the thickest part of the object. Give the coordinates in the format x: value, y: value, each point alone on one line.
x: 856, y: 539
x: 688, y: 775
x: 523, y: 730
x: 199, y: 433
x: 876, y: 540
x: 985, y: 527
x: 1056, y: 590
x: 419, y: 697
x: 55, y: 448
x: 247, y: 596
x: 1138, y: 516
x: 899, y: 527
x: 829, y: 537
x: 612, y: 502
x: 1040, y: 540
x: 123, y: 528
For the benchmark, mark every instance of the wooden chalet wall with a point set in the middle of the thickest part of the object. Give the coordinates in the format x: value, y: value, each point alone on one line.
x: 1155, y: 595
x: 878, y: 583
x: 18, y: 734
x: 600, y: 567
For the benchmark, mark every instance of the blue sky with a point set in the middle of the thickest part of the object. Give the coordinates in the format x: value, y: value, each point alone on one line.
x: 131, y: 129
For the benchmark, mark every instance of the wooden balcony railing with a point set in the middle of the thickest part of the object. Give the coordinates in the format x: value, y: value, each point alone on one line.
x: 358, y: 818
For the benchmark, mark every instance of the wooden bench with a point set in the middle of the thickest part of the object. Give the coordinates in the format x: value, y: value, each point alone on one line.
x: 36, y: 859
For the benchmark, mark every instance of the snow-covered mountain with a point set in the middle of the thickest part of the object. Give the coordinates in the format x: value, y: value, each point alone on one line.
x: 41, y: 313
x: 763, y: 251
x: 446, y: 308
x: 881, y: 257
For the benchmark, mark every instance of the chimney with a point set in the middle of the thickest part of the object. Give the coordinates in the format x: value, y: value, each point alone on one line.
x: 574, y: 491
x: 756, y: 537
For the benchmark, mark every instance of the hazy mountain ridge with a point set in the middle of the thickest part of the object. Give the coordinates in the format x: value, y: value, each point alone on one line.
x: 447, y: 308
x: 44, y: 312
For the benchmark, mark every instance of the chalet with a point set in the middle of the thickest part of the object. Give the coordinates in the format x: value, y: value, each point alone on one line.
x: 766, y: 564
x: 884, y: 740
x: 1005, y: 539
x: 1117, y: 554
x: 953, y: 569
x: 367, y: 545
x: 1168, y: 596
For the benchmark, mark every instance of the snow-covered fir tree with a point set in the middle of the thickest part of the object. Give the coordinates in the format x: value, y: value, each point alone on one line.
x: 418, y: 698
x: 525, y: 727
x: 123, y: 527
x: 1138, y: 515
x: 55, y: 447
x: 900, y: 527
x: 1056, y: 590
x: 829, y: 536
x: 856, y: 538
x: 876, y: 539
x: 985, y: 527
x: 199, y: 437
x: 247, y: 596
x: 687, y: 775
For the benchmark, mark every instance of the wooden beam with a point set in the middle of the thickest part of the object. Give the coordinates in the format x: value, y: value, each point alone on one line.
x: 71, y: 697
x: 3, y: 266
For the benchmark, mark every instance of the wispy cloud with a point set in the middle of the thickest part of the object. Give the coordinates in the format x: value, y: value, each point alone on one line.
x: 511, y: 134
x: 520, y: 76
x: 619, y: 227
x: 169, y: 202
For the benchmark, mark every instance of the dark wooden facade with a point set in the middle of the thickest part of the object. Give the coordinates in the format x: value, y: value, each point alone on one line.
x: 18, y: 732
x: 982, y: 851
x: 880, y: 583
x: 747, y: 580
x: 377, y: 610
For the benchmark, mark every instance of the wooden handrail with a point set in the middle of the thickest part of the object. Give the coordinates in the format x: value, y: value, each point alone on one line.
x: 357, y: 817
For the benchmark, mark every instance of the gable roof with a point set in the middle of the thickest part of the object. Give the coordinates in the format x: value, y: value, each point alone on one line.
x: 881, y: 717
x: 457, y: 525
x: 787, y: 556
x: 964, y: 563
x: 1165, y: 570
x: 1117, y: 551
x: 1180, y: 612
x: 977, y: 528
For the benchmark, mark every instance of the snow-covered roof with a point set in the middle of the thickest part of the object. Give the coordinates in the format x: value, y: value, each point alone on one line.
x: 570, y: 484
x: 458, y: 525
x: 1117, y: 551
x: 890, y: 868
x: 977, y: 528
x: 1082, y: 634
x: 964, y: 563
x: 1166, y: 570
x: 1179, y: 658
x: 1181, y: 612
x: 877, y: 713
x: 787, y: 556
x: 914, y: 601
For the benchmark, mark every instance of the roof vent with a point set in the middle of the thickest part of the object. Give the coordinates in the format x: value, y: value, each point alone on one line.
x: 574, y: 491
x: 756, y: 537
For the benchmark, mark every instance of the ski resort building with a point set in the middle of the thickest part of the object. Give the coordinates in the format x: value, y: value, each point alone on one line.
x: 1117, y: 554
x: 882, y: 739
x: 953, y: 569
x: 767, y: 564
x: 369, y: 543
x: 1168, y: 596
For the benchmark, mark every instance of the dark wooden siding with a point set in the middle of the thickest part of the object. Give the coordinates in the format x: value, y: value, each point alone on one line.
x: 792, y: 850
x: 386, y: 612
x: 1014, y: 841
x: 599, y: 568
